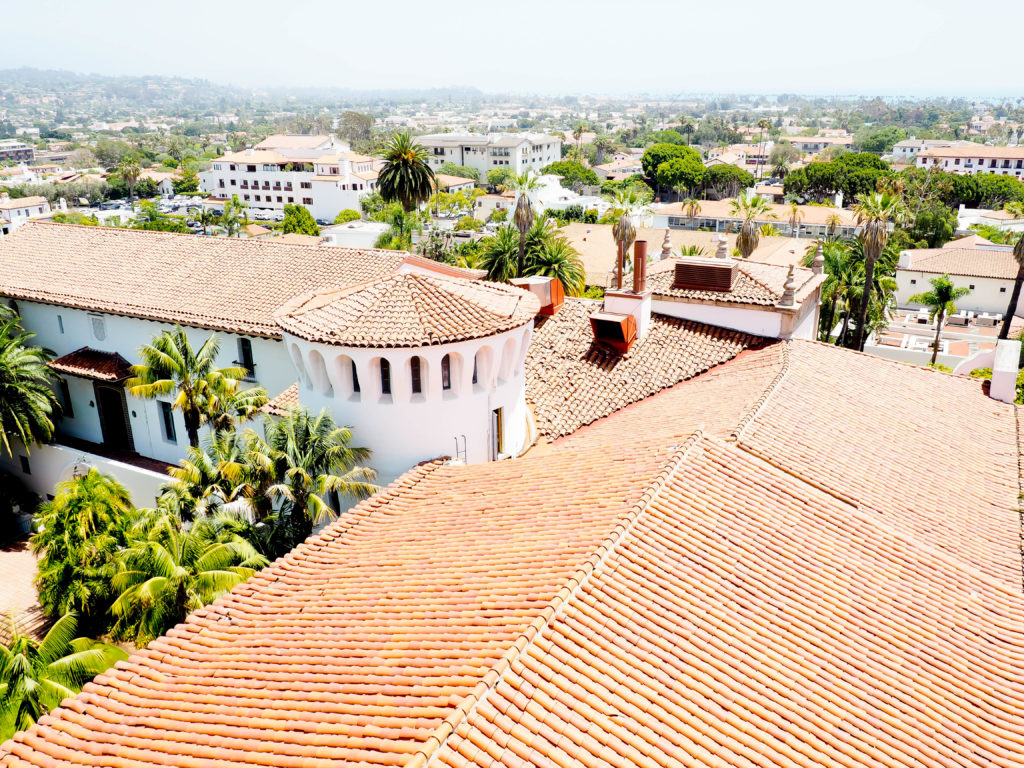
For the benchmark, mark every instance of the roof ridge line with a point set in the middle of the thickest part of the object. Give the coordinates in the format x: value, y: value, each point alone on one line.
x: 751, y: 277
x: 748, y: 418
x: 1020, y: 492
x: 535, y: 630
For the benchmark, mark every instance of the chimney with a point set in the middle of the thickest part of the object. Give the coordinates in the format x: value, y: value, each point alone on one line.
x: 701, y: 273
x: 639, y: 266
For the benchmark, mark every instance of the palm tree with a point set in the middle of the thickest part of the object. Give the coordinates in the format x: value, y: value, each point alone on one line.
x: 28, y: 405
x: 941, y: 301
x: 691, y: 208
x: 832, y: 222
x: 523, y: 184
x: 1011, y: 308
x: 171, y: 570
x: 130, y: 170
x: 230, y: 405
x: 402, y: 226
x: 844, y: 275
x: 603, y: 143
x: 875, y: 212
x: 765, y: 125
x: 796, y: 215
x: 406, y: 177
x: 205, y: 217
x: 313, y: 457
x: 558, y: 259
x: 780, y: 169
x: 499, y: 253
x: 171, y: 366
x: 768, y: 230
x: 35, y: 676
x: 577, y: 133
x: 234, y: 216
x: 76, y: 536
x: 749, y: 208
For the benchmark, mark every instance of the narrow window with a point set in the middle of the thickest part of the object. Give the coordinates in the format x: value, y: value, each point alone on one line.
x: 446, y: 372
x: 65, y: 399
x: 60, y: 323
x: 474, y: 370
x: 167, y: 419
x: 25, y: 467
x: 245, y: 358
x: 385, y: 377
x: 417, y: 382
x: 355, y: 377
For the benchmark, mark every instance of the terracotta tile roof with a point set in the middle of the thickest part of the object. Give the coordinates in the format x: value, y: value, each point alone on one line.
x: 721, y: 209
x: 93, y: 364
x: 997, y: 263
x: 294, y: 238
x: 444, y: 180
x: 408, y: 310
x: 354, y: 648
x: 571, y: 381
x: 292, y: 141
x: 10, y: 204
x: 282, y: 403
x: 756, y: 283
x: 211, y: 282
x: 974, y: 150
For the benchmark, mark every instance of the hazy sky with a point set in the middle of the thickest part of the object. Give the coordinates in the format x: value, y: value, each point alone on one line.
x: 887, y: 47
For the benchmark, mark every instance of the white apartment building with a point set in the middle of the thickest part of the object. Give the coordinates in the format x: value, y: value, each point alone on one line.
x: 906, y: 151
x: 819, y: 143
x: 317, y: 172
x: 974, y: 158
x: 16, y: 211
x: 516, y: 152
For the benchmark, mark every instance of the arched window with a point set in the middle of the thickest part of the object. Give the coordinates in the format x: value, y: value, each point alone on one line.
x: 446, y: 372
x: 417, y: 379
x: 385, y: 377
x: 355, y: 377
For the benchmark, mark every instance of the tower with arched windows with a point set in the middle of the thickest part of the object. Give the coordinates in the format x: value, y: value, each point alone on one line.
x: 419, y: 366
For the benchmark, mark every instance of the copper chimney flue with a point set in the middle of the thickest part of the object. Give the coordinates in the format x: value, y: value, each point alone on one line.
x: 640, y: 266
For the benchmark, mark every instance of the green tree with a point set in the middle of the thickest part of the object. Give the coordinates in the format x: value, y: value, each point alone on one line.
x: 468, y: 223
x: 170, y: 366
x: 129, y: 170
x: 204, y: 217
x: 36, y: 676
x: 76, y: 535
x: 355, y: 126
x: 724, y: 181
x: 500, y: 252
x: 934, y: 224
x: 783, y: 152
x: 347, y: 215
x: 298, y: 220
x: 234, y: 216
x: 941, y: 302
x: 111, y: 154
x: 656, y: 154
x: 879, y: 141
x: 171, y: 570
x: 186, y: 182
x: 685, y: 173
x: 406, y: 177
x: 314, y: 459
x: 1018, y: 281
x: 572, y: 173
x: 28, y: 406
x: 556, y: 258
x: 874, y: 214
x: 497, y: 177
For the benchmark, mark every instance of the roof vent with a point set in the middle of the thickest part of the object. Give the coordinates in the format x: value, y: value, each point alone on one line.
x: 616, y: 330
x: 702, y: 274
x: 548, y: 289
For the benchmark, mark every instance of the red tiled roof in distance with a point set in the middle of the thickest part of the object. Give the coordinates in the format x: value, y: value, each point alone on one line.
x: 408, y: 310
x: 93, y: 364
x: 284, y: 402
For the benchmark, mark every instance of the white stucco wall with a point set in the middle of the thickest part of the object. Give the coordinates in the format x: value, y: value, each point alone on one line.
x: 756, y: 321
x: 987, y: 294
x: 125, y: 335
x: 403, y: 429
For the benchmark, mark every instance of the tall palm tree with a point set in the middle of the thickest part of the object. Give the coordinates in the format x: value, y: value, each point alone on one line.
x: 406, y: 177
x: 832, y: 222
x: 28, y: 405
x: 603, y: 143
x: 314, y: 457
x: 171, y: 570
x: 76, y: 536
x: 691, y: 208
x: 1011, y: 308
x: 558, y: 259
x: 749, y: 208
x: 171, y: 366
x: 765, y: 125
x: 844, y: 275
x: 234, y: 217
x: 796, y: 215
x: 941, y: 302
x: 130, y: 170
x: 578, y: 131
x: 35, y: 676
x: 875, y: 212
x: 523, y: 185
x: 780, y: 169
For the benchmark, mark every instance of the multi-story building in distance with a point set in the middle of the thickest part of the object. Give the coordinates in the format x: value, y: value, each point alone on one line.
x: 516, y: 152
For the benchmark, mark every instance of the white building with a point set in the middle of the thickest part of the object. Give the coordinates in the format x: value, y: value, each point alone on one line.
x: 974, y: 158
x: 986, y: 269
x: 906, y: 151
x: 515, y: 152
x: 818, y: 143
x: 354, y: 234
x: 317, y: 172
x: 16, y: 211
x: 422, y: 359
